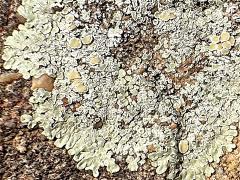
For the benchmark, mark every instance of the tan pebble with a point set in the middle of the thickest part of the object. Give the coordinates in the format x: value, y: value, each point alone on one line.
x: 8, y: 78
x: 183, y: 146
x: 75, y: 43
x: 87, y: 39
x: 46, y: 82
x: 73, y: 75
x: 225, y: 36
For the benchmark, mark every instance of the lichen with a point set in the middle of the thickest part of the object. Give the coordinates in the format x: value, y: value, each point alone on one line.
x: 132, y: 79
x: 222, y: 43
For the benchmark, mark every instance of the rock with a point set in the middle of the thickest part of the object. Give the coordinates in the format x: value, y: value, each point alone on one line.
x: 8, y: 78
x: 46, y: 82
x: 19, y: 143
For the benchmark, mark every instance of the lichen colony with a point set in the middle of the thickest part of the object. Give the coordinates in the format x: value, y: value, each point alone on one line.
x: 133, y: 80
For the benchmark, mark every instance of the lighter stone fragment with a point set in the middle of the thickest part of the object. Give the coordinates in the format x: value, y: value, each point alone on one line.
x: 44, y: 81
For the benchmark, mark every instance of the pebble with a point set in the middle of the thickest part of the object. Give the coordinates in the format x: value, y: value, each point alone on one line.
x: 151, y: 148
x: 8, y: 78
x: 46, y: 82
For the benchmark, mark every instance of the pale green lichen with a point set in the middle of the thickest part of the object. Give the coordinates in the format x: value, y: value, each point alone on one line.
x: 114, y: 110
x: 222, y: 43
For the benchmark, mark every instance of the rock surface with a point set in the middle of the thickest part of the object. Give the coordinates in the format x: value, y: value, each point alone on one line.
x: 26, y: 154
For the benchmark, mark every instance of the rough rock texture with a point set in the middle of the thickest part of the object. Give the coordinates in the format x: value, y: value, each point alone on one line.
x: 229, y: 167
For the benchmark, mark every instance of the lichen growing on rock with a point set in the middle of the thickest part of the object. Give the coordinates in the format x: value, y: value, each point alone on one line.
x: 132, y: 80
